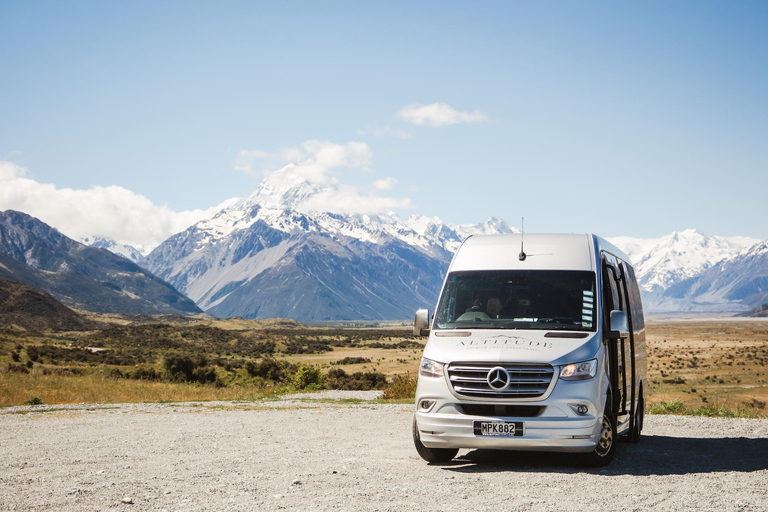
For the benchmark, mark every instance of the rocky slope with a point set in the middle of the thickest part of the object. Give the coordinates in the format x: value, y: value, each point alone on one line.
x: 33, y: 253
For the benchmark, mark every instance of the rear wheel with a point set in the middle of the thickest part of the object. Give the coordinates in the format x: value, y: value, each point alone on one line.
x: 603, y: 453
x: 431, y: 454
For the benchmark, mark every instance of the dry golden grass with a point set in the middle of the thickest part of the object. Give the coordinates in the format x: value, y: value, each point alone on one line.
x: 709, y: 363
x: 387, y: 361
x: 17, y: 388
x: 700, y: 363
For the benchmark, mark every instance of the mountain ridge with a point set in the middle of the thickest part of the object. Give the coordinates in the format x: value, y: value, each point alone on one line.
x: 243, y: 243
x: 82, y: 277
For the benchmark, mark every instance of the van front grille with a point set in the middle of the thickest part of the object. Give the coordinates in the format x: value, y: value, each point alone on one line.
x: 524, y: 380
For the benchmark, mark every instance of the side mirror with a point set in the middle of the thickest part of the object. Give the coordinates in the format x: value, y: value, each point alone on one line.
x: 421, y: 323
x: 619, y: 325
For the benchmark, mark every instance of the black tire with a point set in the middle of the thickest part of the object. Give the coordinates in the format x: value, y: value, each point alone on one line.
x: 432, y: 454
x: 603, y: 453
x: 634, y: 436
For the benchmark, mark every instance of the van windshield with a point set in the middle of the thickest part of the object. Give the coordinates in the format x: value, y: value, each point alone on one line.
x: 518, y: 299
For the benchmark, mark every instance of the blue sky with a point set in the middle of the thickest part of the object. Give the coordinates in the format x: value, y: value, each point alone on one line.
x: 618, y: 118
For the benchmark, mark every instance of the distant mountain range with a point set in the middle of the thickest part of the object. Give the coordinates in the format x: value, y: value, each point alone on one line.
x: 82, y: 277
x: 664, y: 264
x: 261, y: 257
x: 737, y: 283
x: 265, y: 257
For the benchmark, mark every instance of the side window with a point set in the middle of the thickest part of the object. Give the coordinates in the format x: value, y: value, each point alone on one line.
x: 612, y: 296
x: 623, y: 292
x: 611, y: 290
x: 635, y: 299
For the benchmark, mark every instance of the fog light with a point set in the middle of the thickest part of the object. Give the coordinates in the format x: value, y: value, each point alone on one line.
x: 579, y: 409
x: 426, y: 405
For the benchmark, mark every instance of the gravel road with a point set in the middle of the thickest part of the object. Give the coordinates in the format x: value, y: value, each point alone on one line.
x: 320, y: 451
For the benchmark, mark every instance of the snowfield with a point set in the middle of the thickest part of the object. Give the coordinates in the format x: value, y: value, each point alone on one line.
x: 314, y: 452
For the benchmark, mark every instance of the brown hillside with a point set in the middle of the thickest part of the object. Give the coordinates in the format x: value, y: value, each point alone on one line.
x: 35, y: 310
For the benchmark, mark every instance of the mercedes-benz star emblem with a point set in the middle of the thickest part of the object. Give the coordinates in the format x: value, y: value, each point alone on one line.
x: 498, y: 378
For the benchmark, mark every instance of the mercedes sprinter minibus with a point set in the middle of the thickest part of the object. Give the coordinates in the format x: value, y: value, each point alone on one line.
x: 537, y: 344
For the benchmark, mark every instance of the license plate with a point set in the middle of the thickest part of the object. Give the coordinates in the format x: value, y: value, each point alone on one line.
x: 499, y: 428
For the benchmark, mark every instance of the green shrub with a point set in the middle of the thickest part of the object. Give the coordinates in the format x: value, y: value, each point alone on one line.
x: 187, y: 369
x: 353, y: 360
x: 307, y: 346
x: 179, y: 367
x: 271, y: 369
x: 308, y: 375
x: 33, y: 401
x: 32, y: 353
x: 205, y: 375
x: 402, y: 386
x: 358, y: 381
x: 143, y: 373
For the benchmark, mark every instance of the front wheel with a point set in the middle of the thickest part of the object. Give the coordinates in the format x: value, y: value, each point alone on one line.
x: 603, y: 453
x: 431, y: 454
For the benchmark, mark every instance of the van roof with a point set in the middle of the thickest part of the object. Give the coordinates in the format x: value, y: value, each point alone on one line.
x: 543, y: 252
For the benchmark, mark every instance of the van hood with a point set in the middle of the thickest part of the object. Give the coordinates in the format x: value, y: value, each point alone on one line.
x: 510, y: 346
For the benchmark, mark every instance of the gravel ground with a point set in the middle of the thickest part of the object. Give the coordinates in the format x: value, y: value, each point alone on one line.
x: 315, y: 452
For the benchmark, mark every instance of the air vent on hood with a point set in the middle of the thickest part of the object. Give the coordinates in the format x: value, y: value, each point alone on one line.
x: 556, y: 334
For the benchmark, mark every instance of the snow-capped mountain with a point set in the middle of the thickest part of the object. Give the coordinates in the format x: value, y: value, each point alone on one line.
x: 663, y: 262
x: 271, y: 254
x: 738, y: 283
x: 128, y: 252
x: 267, y: 256
x: 450, y: 237
x: 82, y: 277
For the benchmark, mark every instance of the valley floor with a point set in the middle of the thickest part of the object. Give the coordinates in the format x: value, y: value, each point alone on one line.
x: 717, y: 366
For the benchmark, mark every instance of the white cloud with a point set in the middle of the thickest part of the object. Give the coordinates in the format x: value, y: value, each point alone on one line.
x: 385, y: 184
x: 109, y: 212
x: 348, y: 199
x: 355, y: 155
x: 245, y: 159
x: 438, y: 114
x: 129, y: 218
x: 313, y: 160
x: 310, y: 182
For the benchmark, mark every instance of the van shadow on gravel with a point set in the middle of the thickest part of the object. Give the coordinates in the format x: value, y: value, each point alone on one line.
x: 654, y: 455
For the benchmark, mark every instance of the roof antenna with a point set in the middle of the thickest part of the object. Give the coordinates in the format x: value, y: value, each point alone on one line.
x: 522, y: 254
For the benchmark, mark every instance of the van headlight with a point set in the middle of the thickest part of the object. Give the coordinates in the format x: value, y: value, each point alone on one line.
x: 579, y: 371
x: 430, y: 368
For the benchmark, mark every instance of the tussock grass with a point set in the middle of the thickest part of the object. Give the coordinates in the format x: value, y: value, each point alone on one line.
x: 19, y: 388
x: 671, y: 407
x: 677, y: 407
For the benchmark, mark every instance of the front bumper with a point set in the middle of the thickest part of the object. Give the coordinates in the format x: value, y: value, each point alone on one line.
x: 557, y: 427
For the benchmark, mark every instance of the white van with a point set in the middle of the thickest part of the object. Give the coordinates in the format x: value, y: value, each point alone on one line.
x: 535, y: 347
